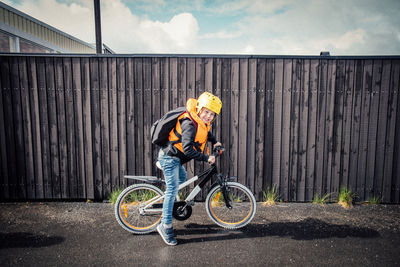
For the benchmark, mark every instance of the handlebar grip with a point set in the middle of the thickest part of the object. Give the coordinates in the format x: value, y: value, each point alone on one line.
x: 218, y: 150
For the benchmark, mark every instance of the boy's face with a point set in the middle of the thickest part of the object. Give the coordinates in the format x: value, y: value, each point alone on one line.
x: 206, y: 115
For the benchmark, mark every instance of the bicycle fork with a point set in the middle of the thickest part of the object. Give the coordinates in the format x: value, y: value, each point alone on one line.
x: 225, y: 190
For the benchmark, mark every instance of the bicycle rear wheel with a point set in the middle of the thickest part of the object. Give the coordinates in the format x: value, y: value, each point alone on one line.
x: 242, y: 201
x: 129, y: 208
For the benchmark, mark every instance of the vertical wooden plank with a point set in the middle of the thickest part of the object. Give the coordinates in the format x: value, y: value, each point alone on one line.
x: 181, y: 82
x: 303, y: 129
x: 72, y: 153
x: 321, y: 118
x: 391, y: 182
x: 87, y: 128
x: 269, y: 122
x: 44, y: 128
x: 243, y: 113
x: 208, y: 74
x: 294, y: 152
x: 147, y: 116
x: 396, y: 158
x: 130, y: 117
x: 61, y: 125
x: 8, y: 148
x: 139, y: 115
x: 312, y: 129
x: 225, y: 117
x: 121, y: 116
x: 165, y: 96
x: 260, y: 115
x: 208, y: 87
x: 372, y: 129
x: 251, y: 125
x: 53, y: 133
x: 95, y: 127
x: 356, y: 124
x: 156, y: 102
x: 3, y: 146
x: 173, y: 79
x: 78, y: 112
x: 216, y: 88
x: 104, y: 127
x: 277, y: 126
x: 191, y: 93
x: 36, y: 134
x: 20, y: 178
x: 363, y: 141
x: 113, y: 123
x: 334, y: 124
x: 27, y: 128
x: 199, y: 88
x: 286, y: 111
x: 382, y: 133
x: 234, y: 105
x: 347, y: 122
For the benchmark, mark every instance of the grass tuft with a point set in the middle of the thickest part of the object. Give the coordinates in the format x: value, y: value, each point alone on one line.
x: 375, y: 200
x: 270, y: 196
x: 320, y: 200
x: 114, y: 195
x: 345, y: 198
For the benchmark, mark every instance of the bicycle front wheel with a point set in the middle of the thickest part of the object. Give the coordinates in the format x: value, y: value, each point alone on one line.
x: 243, y: 206
x: 130, y: 210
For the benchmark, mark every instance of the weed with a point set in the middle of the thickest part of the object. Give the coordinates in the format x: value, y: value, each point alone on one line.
x: 114, y: 195
x: 270, y: 196
x: 375, y: 200
x: 320, y: 200
x: 345, y: 197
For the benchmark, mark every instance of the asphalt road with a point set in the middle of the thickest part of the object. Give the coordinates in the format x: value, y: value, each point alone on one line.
x: 87, y: 234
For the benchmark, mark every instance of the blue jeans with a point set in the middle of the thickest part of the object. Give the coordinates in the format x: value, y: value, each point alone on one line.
x: 174, y: 174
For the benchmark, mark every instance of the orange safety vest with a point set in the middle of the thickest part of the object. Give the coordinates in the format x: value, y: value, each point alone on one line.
x: 175, y: 136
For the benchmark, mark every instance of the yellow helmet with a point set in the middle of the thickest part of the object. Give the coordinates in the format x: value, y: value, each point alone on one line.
x: 209, y: 101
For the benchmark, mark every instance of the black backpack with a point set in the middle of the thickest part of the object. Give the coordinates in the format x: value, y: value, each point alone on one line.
x: 161, y: 128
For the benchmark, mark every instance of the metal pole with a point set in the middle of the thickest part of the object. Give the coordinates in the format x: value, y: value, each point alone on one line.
x: 97, y: 20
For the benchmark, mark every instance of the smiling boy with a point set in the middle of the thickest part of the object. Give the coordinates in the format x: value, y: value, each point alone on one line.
x: 186, y: 142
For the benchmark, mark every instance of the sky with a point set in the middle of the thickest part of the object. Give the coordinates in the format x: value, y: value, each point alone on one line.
x: 250, y: 27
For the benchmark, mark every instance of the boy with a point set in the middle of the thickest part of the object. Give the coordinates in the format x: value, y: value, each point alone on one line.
x: 186, y: 142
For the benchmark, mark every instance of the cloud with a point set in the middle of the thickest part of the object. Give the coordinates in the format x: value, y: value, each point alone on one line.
x: 221, y: 35
x: 177, y: 35
x: 239, y: 26
x: 122, y: 31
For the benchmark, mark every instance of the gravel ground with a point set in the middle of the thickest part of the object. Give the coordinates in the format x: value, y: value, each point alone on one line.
x: 87, y: 234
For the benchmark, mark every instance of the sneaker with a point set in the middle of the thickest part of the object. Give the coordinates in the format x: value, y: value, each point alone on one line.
x: 167, y: 234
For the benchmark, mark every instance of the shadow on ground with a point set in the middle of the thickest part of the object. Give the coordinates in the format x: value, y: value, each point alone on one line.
x: 307, y: 229
x: 28, y: 240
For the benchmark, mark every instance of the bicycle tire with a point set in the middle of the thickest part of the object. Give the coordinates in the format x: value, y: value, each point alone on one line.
x: 127, y: 209
x: 243, y: 206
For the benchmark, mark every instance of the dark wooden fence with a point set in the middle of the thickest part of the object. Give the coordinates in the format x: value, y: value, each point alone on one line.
x: 72, y: 126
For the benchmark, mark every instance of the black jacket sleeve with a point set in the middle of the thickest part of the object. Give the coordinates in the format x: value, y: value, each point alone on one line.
x: 212, y: 138
x: 188, y: 137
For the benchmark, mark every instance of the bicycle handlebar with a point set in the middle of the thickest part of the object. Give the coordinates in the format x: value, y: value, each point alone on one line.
x: 218, y: 150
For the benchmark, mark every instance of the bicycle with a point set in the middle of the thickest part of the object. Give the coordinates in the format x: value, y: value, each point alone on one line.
x: 229, y: 204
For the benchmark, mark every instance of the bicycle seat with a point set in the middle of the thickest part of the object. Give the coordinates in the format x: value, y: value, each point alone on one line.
x: 158, y: 164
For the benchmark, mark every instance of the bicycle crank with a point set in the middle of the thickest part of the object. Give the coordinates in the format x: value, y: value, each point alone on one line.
x: 182, y: 211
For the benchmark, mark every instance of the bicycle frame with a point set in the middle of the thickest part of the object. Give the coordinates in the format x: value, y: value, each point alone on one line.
x: 207, y: 174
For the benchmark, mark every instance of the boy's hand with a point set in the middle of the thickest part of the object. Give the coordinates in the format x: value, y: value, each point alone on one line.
x: 217, y: 144
x: 211, y: 160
